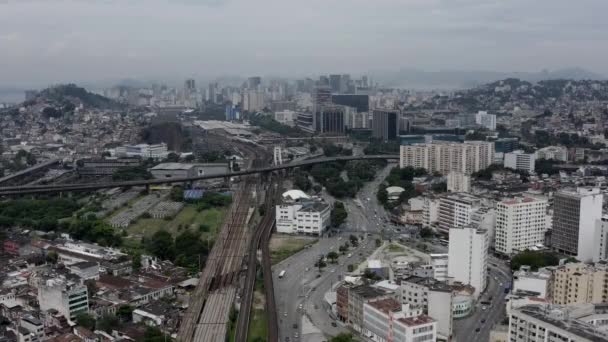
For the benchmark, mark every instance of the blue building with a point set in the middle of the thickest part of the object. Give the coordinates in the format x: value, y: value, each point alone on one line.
x: 232, y: 113
x: 506, y: 145
x: 411, y: 139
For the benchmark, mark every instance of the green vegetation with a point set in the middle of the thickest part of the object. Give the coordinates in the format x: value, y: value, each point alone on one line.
x: 131, y: 173
x: 92, y: 229
x: 188, y: 218
x: 282, y: 248
x: 534, y: 259
x: 358, y: 172
x: 546, y: 166
x: 20, y: 161
x: 186, y: 250
x: 64, y: 94
x: 393, y: 248
x: 270, y: 124
x: 301, y: 181
x: 85, y: 320
x: 381, y: 147
x: 154, y: 334
x: 338, y: 214
x: 343, y: 337
x: 36, y: 214
x: 426, y: 233
x: 402, y: 177
x: 332, y: 150
x: 542, y: 138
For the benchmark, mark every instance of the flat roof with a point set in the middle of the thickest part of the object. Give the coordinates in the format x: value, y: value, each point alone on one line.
x: 415, y: 321
x: 386, y: 305
x: 173, y: 166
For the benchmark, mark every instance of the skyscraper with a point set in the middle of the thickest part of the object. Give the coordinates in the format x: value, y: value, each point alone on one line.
x: 254, y: 82
x: 385, y: 124
x: 520, y: 224
x: 330, y: 119
x: 575, y: 214
x: 335, y: 82
x: 468, y: 257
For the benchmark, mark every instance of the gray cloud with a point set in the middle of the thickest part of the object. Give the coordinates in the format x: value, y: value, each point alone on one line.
x: 45, y: 41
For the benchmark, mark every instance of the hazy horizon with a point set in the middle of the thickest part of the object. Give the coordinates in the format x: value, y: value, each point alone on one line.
x: 46, y: 42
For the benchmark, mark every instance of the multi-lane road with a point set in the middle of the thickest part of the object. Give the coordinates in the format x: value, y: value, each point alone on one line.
x: 302, y: 293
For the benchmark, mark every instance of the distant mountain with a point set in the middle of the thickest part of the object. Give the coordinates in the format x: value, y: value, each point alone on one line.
x: 455, y: 79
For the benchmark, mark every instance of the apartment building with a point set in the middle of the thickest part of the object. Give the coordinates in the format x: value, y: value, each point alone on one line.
x: 518, y: 160
x: 468, y: 257
x: 455, y: 210
x: 67, y: 297
x: 520, y: 224
x: 458, y: 182
x: 575, y: 214
x: 578, y: 283
x: 550, y: 323
x: 443, y: 157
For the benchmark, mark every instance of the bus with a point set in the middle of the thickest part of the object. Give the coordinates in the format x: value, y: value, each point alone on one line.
x: 282, y: 274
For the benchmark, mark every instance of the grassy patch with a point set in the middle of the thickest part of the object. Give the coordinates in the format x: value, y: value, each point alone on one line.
x: 282, y: 247
x: 394, y: 248
x: 187, y: 218
x: 258, y: 326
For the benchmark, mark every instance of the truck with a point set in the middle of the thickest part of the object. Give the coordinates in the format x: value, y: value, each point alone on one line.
x: 282, y: 274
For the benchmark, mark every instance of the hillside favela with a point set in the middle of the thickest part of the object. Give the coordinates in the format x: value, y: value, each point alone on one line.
x: 322, y: 171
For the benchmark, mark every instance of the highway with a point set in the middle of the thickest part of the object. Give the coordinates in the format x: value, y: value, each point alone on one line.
x: 300, y: 286
x: 32, y: 189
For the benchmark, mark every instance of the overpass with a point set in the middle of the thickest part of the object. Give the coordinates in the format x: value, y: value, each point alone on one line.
x: 34, y: 189
x: 29, y: 170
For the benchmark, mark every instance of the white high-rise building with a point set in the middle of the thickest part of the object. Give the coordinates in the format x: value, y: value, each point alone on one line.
x: 518, y: 160
x: 430, y: 211
x: 486, y: 120
x: 520, y: 224
x: 443, y: 157
x: 68, y: 298
x: 600, y: 240
x: 468, y: 257
x: 575, y: 213
x: 253, y: 100
x: 456, y: 210
x: 459, y: 182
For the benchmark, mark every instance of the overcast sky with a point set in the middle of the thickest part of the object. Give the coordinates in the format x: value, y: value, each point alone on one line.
x: 48, y: 41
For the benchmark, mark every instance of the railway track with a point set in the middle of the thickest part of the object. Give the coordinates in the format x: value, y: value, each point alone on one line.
x: 208, y: 316
x: 259, y: 240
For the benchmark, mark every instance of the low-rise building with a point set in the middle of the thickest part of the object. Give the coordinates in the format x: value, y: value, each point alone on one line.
x: 300, y: 214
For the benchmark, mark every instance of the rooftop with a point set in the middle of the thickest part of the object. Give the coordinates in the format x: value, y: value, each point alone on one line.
x: 173, y: 166
x: 415, y: 321
x: 386, y: 305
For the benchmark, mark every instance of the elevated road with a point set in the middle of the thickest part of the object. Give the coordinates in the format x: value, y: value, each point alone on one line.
x: 29, y: 170
x: 33, y: 189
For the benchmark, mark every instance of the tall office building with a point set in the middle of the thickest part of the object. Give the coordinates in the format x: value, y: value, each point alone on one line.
x: 212, y: 92
x: 468, y: 257
x: 322, y: 96
x: 600, y: 240
x: 575, y: 213
x: 443, y: 157
x: 190, y: 85
x: 254, y: 82
x: 335, y: 82
x: 520, y: 224
x: 253, y: 100
x: 360, y: 102
x: 330, y: 119
x: 385, y: 124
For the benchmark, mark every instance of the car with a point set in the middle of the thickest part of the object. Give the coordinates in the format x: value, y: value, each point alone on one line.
x: 483, y: 307
x: 285, y: 314
x: 477, y: 330
x: 490, y: 298
x: 333, y: 324
x: 287, y: 339
x: 318, y: 275
x: 483, y: 320
x: 295, y: 325
x: 295, y: 335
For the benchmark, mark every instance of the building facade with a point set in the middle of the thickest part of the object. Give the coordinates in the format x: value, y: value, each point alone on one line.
x: 575, y: 213
x: 458, y: 182
x: 467, y: 157
x: 385, y: 124
x: 520, y: 224
x: 456, y: 210
x: 518, y: 160
x: 468, y: 257
x: 68, y: 298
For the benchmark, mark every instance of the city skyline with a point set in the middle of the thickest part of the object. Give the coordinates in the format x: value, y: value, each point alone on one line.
x: 162, y: 39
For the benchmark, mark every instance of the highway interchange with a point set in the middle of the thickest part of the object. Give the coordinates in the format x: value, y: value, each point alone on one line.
x: 301, y: 292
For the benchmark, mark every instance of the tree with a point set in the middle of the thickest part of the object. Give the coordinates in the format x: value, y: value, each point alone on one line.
x: 317, y: 188
x: 332, y: 256
x: 534, y: 259
x: 350, y: 268
x: 342, y: 249
x: 177, y: 194
x: 136, y: 261
x: 321, y: 263
x: 342, y: 337
x: 108, y: 323
x: 52, y: 257
x: 426, y: 233
x: 378, y: 242
x: 353, y: 240
x: 85, y: 320
x: 172, y: 157
x: 154, y: 334
x: 440, y: 187
x: 125, y: 313
x: 338, y: 214
x: 91, y: 287
x: 161, y: 245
